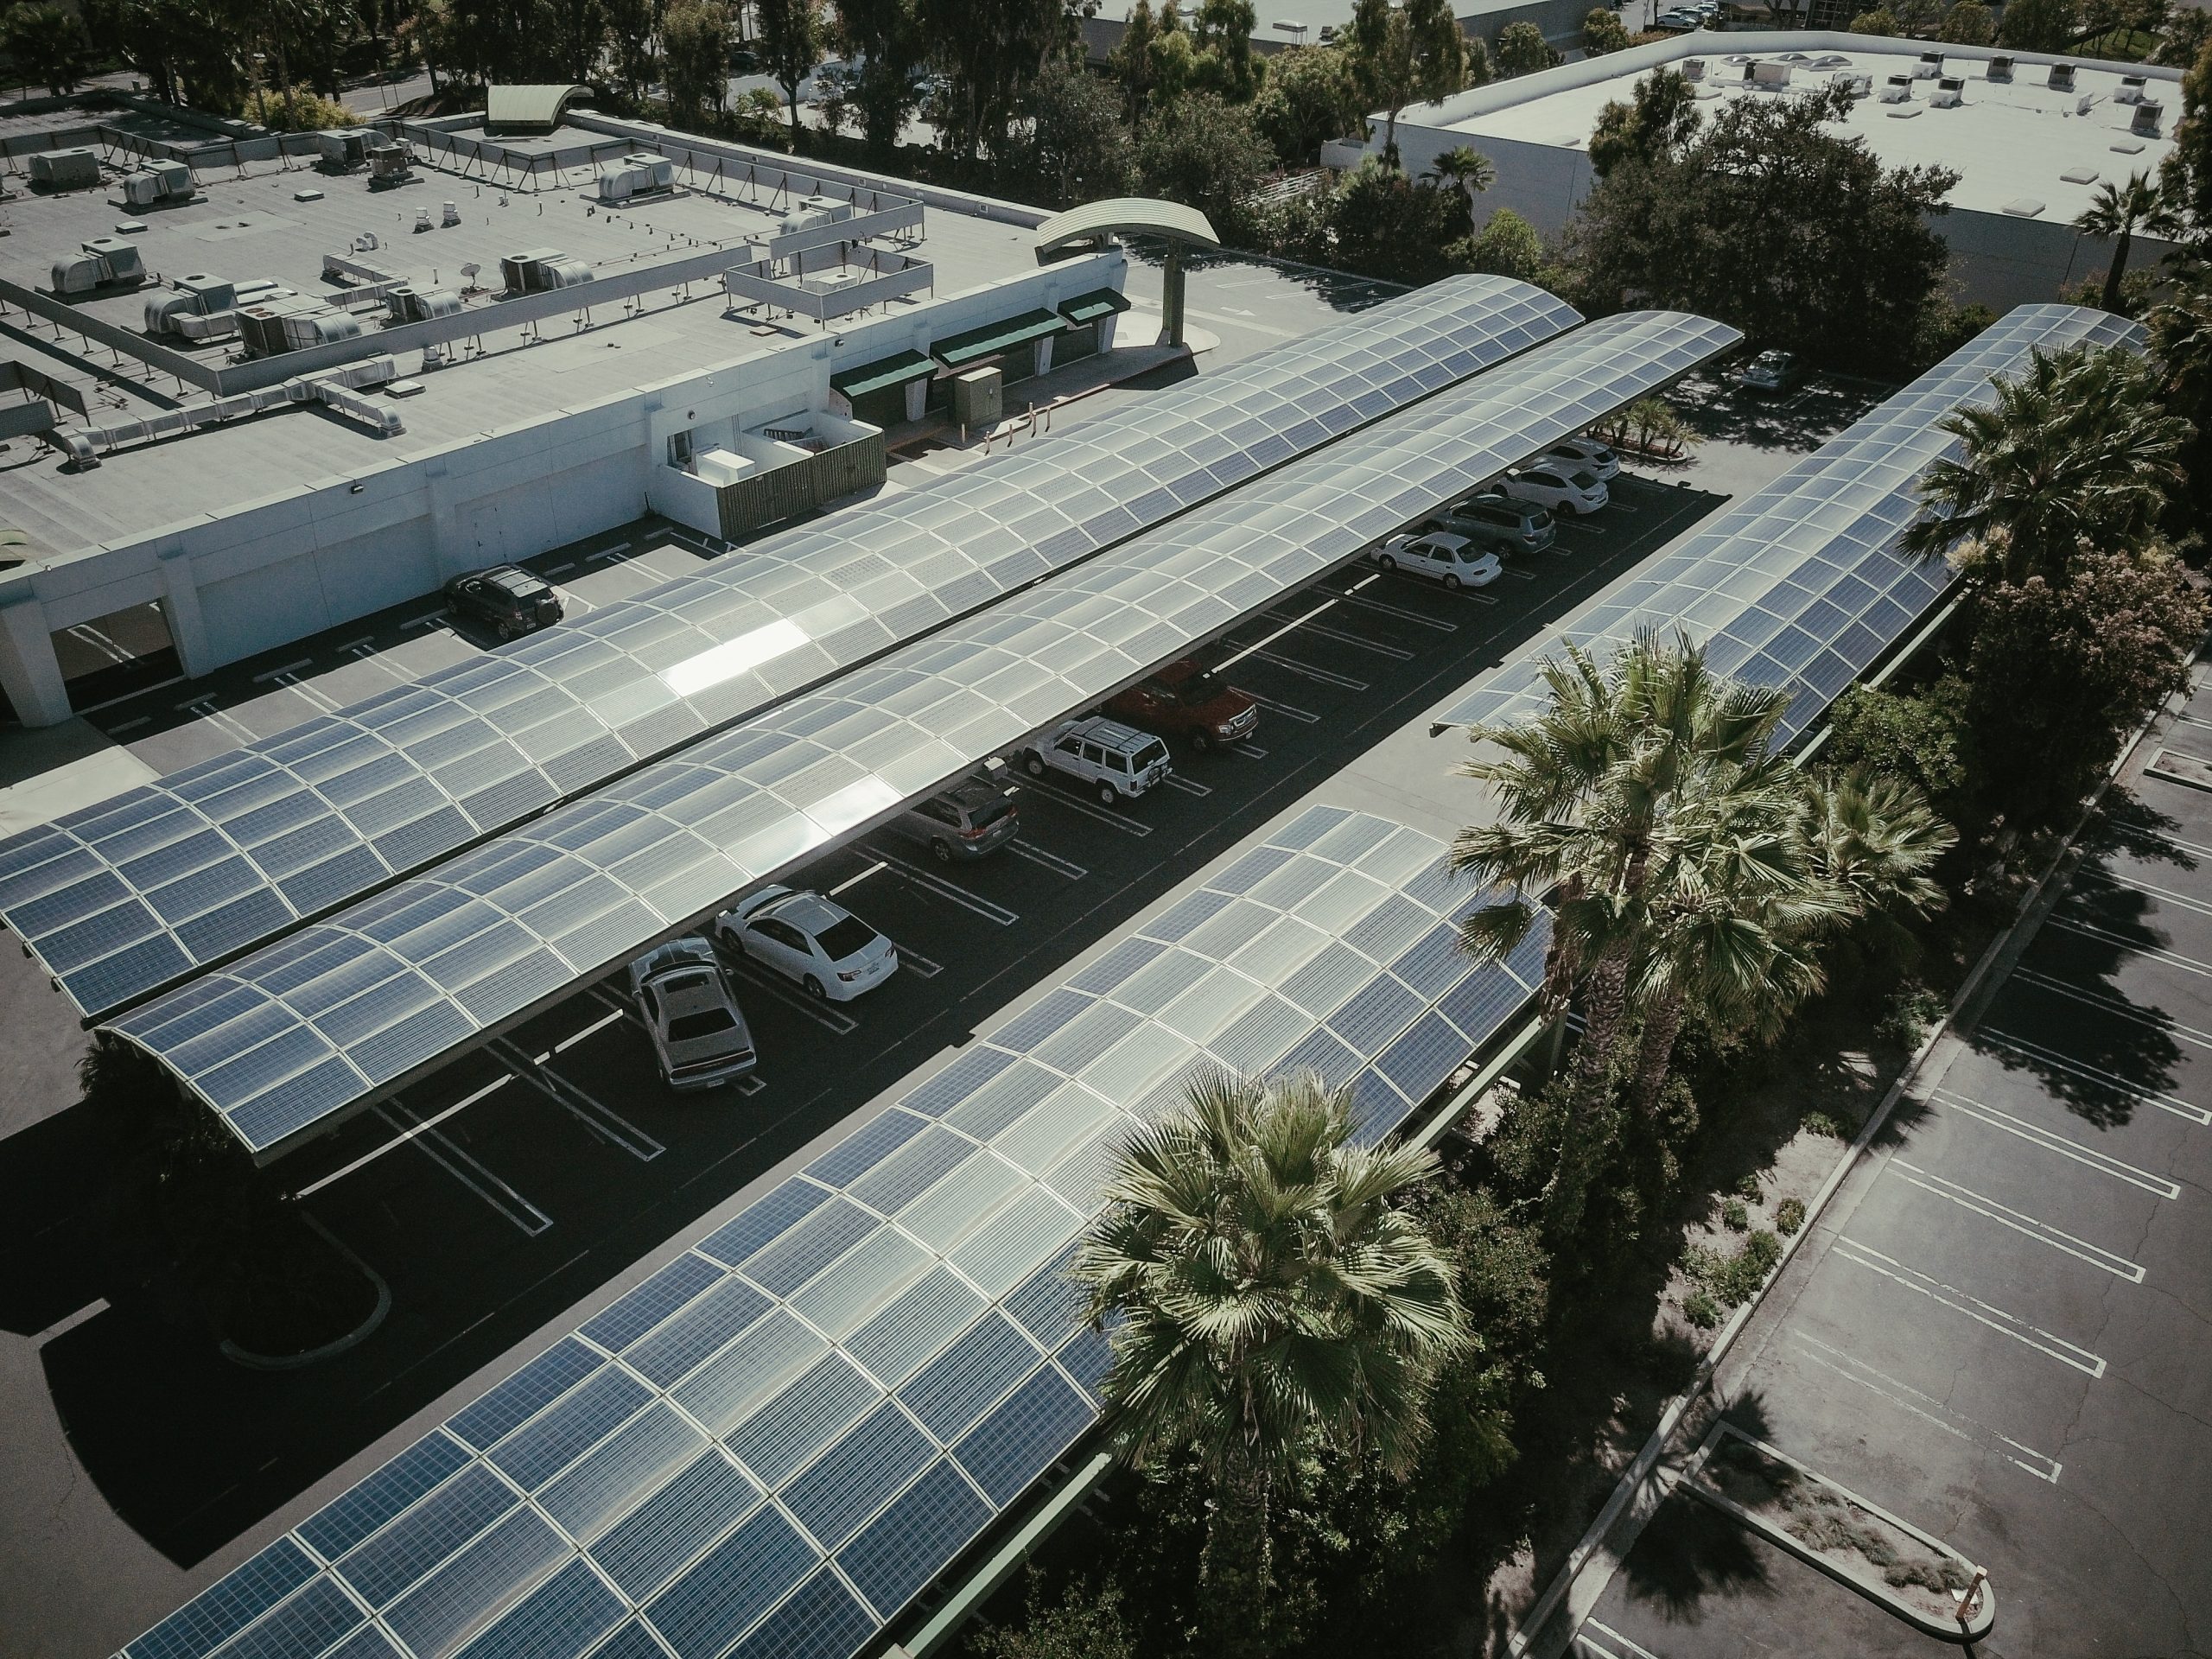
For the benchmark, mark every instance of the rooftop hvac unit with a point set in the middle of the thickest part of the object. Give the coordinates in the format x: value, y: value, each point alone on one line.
x: 106, y: 261
x: 1692, y: 68
x: 158, y: 182
x: 537, y: 271
x: 1950, y: 92
x: 141, y: 189
x: 196, y: 295
x: 421, y: 304
x: 832, y: 282
x: 2062, y: 78
x: 2000, y: 70
x: 175, y: 177
x: 805, y: 218
x: 1858, y: 85
x: 2148, y: 114
x: 636, y: 176
x: 388, y: 164
x: 293, y: 324
x: 2131, y: 90
x: 1898, y: 89
x: 1772, y: 76
x: 344, y: 148
x: 1929, y: 67
x: 834, y: 209
x: 66, y: 169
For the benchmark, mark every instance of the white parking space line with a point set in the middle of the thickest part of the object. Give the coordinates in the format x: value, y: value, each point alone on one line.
x: 2036, y: 1053
x: 911, y: 961
x: 1929, y: 1409
x: 364, y: 650
x: 428, y: 620
x: 1052, y: 862
x: 620, y: 1011
x: 441, y: 1150
x: 99, y: 642
x: 1177, y: 780
x: 1250, y: 751
x: 2105, y: 936
x: 142, y: 691
x: 1628, y: 1649
x: 1582, y: 529
x: 205, y: 708
x: 2157, y: 1019
x: 1417, y: 618
x: 422, y: 1128
x: 602, y: 1121
x: 1959, y: 1301
x: 854, y: 881
x: 944, y: 889
x: 1121, y: 821
x: 2095, y: 877
x: 1342, y: 636
x: 289, y: 668
x: 822, y: 1013
x: 614, y: 552
x: 288, y: 677
x: 2088, y: 1157
x: 1515, y: 570
x: 1288, y: 711
x: 1292, y: 666
x: 2019, y: 1221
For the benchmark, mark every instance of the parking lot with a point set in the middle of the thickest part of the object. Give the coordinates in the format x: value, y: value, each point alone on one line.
x: 523, y: 1177
x: 2002, y: 1331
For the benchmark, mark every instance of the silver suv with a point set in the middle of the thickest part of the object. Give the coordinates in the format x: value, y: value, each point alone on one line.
x: 972, y: 817
x: 1117, y: 762
x: 699, y: 1035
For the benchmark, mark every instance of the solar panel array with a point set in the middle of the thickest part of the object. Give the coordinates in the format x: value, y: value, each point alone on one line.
x: 1801, y: 585
x: 771, y: 1444
x: 283, y: 1041
x: 152, y: 886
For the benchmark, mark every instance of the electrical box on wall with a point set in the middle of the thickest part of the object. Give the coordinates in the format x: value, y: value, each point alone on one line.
x: 978, y: 397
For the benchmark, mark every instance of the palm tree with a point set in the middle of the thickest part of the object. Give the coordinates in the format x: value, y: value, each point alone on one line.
x: 2115, y: 213
x: 1467, y: 170
x: 1262, y: 1288
x: 2078, y: 445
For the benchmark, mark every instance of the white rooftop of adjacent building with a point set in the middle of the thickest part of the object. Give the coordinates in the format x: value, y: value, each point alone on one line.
x: 2017, y: 145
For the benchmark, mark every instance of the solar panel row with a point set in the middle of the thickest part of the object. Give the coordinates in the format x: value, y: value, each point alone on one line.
x: 281, y: 1042
x: 774, y: 1441
x: 167, y: 879
x: 1801, y: 585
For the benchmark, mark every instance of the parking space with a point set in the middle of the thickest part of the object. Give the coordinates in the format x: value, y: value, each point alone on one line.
x: 514, y: 1181
x: 2001, y: 1331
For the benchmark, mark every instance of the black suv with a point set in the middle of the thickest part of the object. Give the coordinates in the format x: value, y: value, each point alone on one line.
x: 507, y: 600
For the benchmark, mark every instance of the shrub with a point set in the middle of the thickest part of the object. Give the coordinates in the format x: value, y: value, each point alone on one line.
x: 1913, y: 735
x: 1734, y: 1217
x: 1733, y: 1279
x: 1748, y: 1187
x: 1702, y: 1310
x: 1820, y: 1123
x: 1789, y: 1218
x: 1913, y: 1012
x: 1084, y: 1624
x: 296, y: 112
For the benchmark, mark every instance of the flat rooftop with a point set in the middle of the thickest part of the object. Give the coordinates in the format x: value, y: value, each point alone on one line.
x: 253, y: 226
x: 2012, y: 144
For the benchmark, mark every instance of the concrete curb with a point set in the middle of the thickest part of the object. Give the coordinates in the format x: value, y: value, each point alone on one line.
x: 358, y: 1334
x: 1532, y: 1636
x: 1973, y: 1630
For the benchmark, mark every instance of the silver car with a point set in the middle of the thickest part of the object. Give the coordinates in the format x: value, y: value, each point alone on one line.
x: 698, y: 1032
x: 973, y: 817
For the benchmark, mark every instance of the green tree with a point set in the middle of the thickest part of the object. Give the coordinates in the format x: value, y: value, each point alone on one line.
x: 46, y: 44
x: 1134, y: 60
x: 1655, y: 124
x: 633, y: 41
x: 1083, y: 1623
x: 2060, y: 673
x: 790, y: 35
x: 1767, y: 218
x: 1205, y: 152
x: 1221, y: 34
x: 1508, y: 245
x: 1968, y: 22
x: 883, y: 40
x: 2181, y: 347
x: 1467, y: 171
x: 2078, y: 445
x: 1521, y: 50
x: 1603, y: 32
x: 577, y: 37
x: 1076, y: 148
x: 1311, y: 96
x: 2188, y: 30
x: 1412, y: 53
x: 2185, y: 175
x: 1383, y: 224
x: 1914, y: 736
x: 2115, y: 213
x: 1880, y: 21
x: 694, y: 38
x: 1264, y: 1286
x: 2038, y: 25
x: 990, y: 53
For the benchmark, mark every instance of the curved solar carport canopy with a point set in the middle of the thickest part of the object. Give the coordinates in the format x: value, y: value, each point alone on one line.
x: 770, y: 1446
x: 143, y: 890
x: 1802, y: 586
x: 1126, y: 216
x: 282, y: 1042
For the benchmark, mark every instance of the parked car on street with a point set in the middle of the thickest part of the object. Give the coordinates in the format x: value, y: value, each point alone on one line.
x: 970, y: 819
x: 507, y: 599
x: 1498, y: 523
x: 1116, y: 762
x: 699, y: 1035
x: 828, y: 950
x: 1184, y: 700
x: 1588, y: 455
x: 1558, y: 487
x: 1452, y: 560
x: 1770, y: 371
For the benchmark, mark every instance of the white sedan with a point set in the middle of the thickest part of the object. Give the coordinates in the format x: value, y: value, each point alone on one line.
x: 828, y: 950
x: 1586, y: 455
x: 1558, y: 487
x: 1453, y: 560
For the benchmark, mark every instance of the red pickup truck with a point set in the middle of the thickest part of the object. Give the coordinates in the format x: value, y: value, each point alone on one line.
x: 1184, y: 700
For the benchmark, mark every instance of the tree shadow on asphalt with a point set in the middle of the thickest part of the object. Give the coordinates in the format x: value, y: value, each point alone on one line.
x: 1795, y: 421
x: 1689, y: 1550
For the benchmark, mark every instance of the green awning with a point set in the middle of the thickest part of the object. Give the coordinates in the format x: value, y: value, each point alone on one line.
x: 957, y: 350
x: 1088, y: 307
x: 884, y: 374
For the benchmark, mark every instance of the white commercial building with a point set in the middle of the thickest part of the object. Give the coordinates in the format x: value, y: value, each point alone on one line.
x: 2030, y: 136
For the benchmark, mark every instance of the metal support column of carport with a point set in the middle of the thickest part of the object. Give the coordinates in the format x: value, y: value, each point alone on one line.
x: 1098, y: 222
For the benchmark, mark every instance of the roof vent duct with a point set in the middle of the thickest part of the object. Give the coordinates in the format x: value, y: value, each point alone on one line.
x: 2062, y: 78
x: 2000, y: 70
x: 2148, y: 114
x: 2131, y: 89
x: 1898, y: 89
x: 1950, y: 92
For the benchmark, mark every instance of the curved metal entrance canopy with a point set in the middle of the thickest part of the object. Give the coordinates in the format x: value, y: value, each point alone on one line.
x: 1180, y: 226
